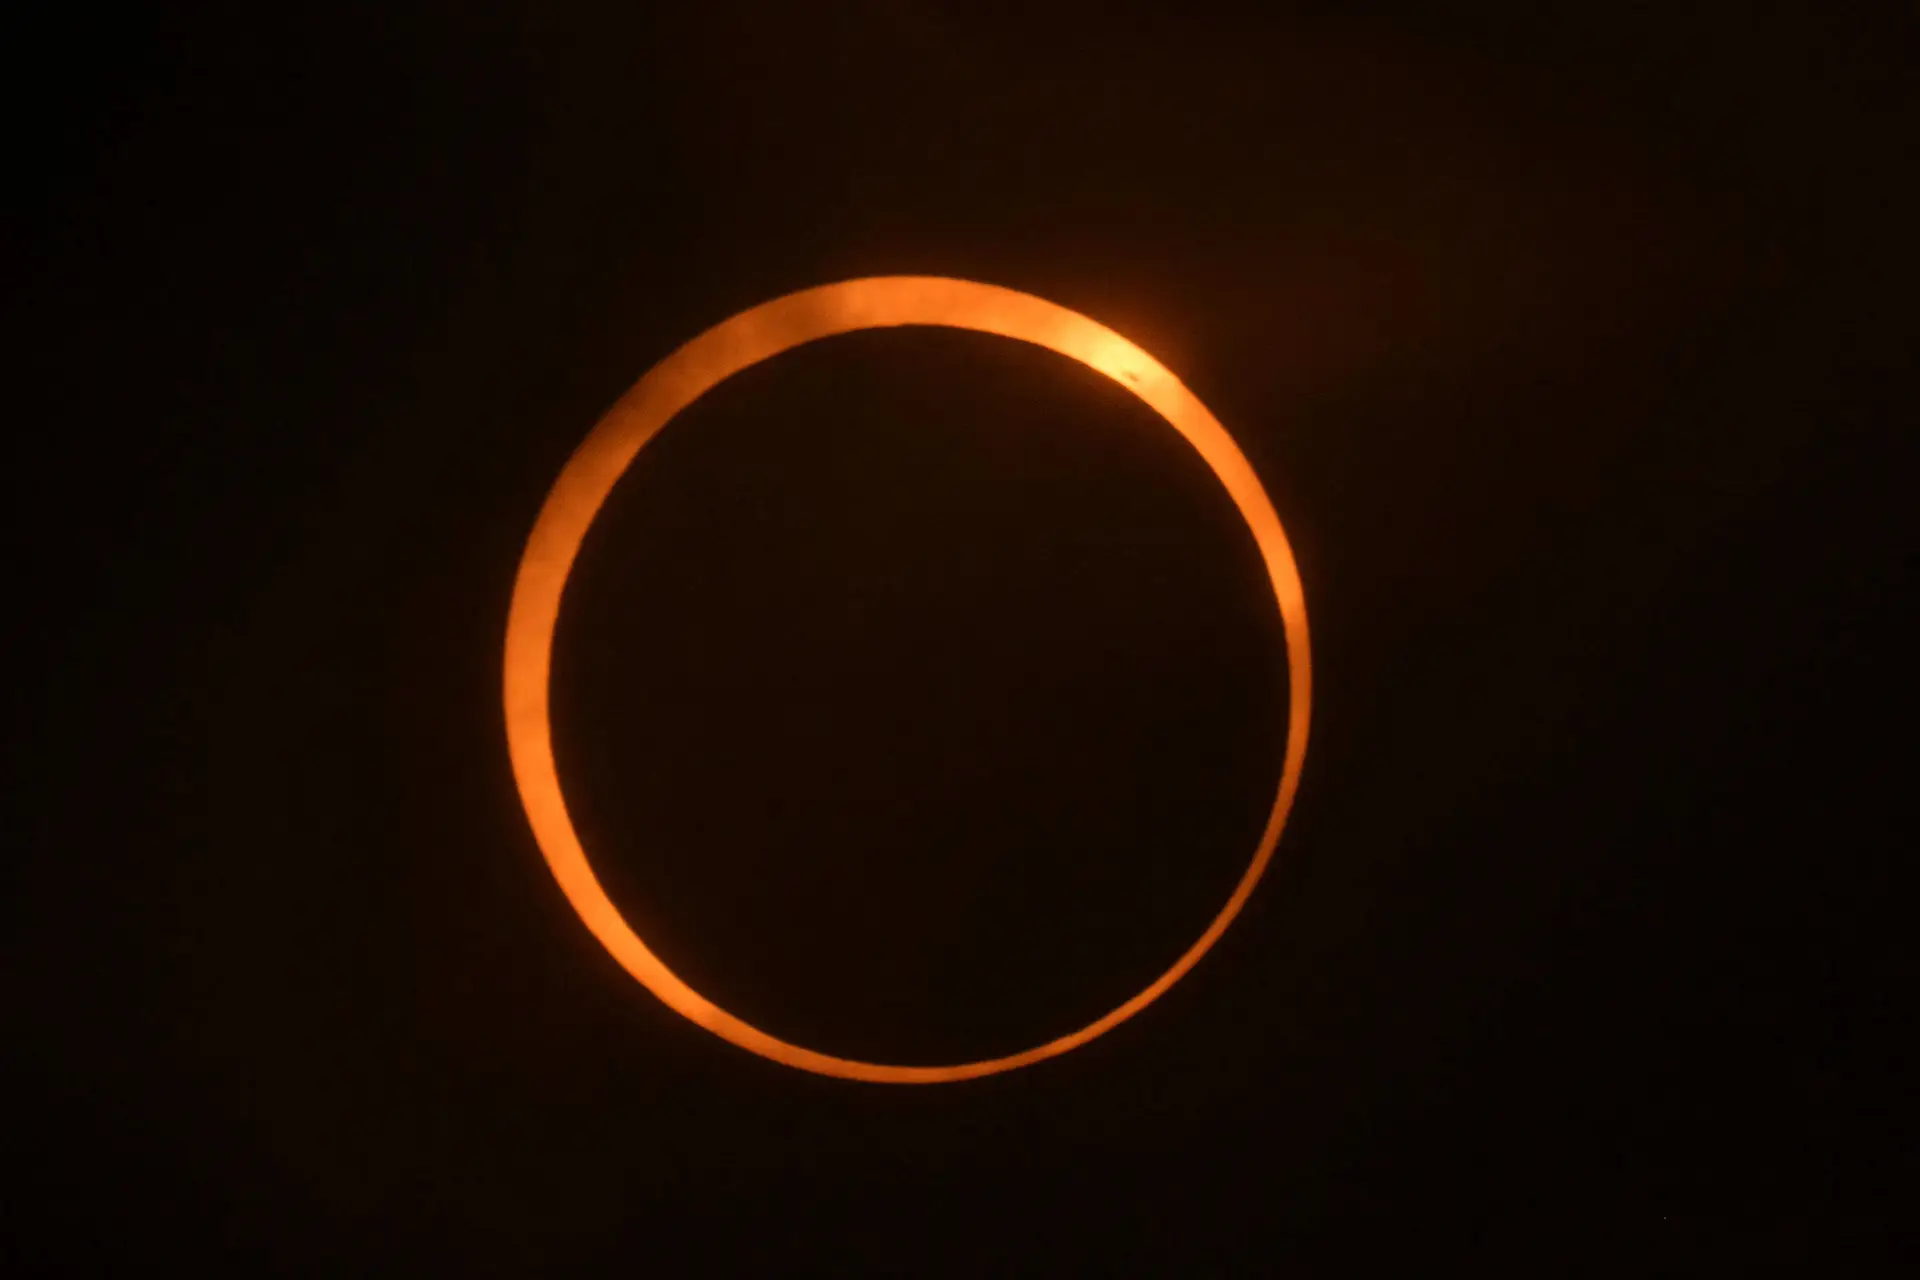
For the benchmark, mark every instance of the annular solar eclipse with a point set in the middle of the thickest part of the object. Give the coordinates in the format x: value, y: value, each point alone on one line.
x: 684, y: 376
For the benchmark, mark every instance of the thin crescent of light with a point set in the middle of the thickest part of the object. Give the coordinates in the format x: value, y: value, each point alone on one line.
x: 676, y: 382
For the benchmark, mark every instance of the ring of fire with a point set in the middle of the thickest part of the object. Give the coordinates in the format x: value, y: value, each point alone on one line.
x: 677, y: 381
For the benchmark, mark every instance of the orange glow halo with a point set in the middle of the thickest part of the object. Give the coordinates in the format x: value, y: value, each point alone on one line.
x: 677, y: 381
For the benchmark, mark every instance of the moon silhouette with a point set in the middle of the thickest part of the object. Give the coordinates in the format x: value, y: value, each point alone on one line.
x: 676, y: 382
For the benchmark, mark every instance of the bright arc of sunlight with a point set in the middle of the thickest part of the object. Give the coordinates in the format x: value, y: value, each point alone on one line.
x: 746, y: 339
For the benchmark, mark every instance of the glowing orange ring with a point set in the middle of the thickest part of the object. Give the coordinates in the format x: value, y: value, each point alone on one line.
x: 680, y: 379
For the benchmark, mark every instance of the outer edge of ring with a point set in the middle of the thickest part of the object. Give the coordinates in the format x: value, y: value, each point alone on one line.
x: 688, y: 373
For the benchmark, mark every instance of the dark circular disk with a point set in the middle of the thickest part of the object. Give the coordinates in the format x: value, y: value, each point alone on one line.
x: 920, y: 695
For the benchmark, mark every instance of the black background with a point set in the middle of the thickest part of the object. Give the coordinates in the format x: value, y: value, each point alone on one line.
x: 918, y: 688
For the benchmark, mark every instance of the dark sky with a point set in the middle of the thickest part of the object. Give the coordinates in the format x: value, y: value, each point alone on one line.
x: 916, y: 692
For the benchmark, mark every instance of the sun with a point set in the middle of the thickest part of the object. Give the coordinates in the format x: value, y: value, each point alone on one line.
x: 747, y: 339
